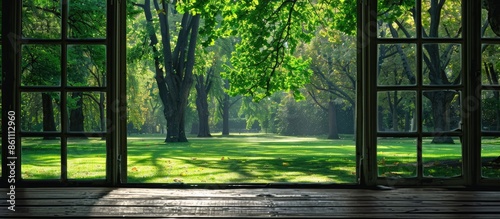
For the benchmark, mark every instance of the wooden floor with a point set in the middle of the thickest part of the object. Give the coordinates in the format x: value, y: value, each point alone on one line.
x: 329, y: 203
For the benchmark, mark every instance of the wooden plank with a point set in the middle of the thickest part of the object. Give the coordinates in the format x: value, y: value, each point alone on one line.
x: 286, y: 193
x: 73, y: 211
x: 147, y: 202
x: 247, y: 203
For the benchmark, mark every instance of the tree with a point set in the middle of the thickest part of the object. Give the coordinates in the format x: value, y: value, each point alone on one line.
x: 333, y: 83
x: 173, y: 69
x: 203, y: 86
x: 174, y: 66
x: 226, y: 102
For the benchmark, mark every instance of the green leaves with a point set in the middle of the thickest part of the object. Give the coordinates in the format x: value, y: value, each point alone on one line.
x: 268, y: 31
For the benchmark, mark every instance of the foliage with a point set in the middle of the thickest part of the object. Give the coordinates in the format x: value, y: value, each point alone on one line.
x: 268, y: 33
x: 300, y: 118
x: 263, y: 112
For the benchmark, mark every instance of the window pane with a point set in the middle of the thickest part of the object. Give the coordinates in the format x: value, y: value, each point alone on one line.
x: 87, y: 19
x: 490, y: 22
x: 490, y: 64
x: 87, y: 65
x: 441, y: 112
x: 490, y: 151
x: 40, y: 112
x: 396, y: 64
x: 442, y: 64
x: 443, y: 159
x: 41, y: 65
x: 86, y: 158
x: 41, y: 19
x: 87, y: 111
x: 395, y: 19
x: 397, y: 157
x: 490, y: 107
x: 442, y: 21
x: 41, y: 158
x: 396, y: 111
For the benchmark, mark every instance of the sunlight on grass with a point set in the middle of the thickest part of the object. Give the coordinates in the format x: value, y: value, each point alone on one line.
x: 41, y: 158
x: 247, y: 159
x: 242, y: 159
x: 442, y: 160
x: 86, y: 158
x: 397, y: 157
x: 490, y: 157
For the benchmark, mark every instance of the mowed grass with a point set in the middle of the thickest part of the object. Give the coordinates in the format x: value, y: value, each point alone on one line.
x: 242, y: 159
x: 254, y: 158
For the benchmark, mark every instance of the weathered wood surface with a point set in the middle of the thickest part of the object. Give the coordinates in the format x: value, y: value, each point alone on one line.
x: 329, y: 203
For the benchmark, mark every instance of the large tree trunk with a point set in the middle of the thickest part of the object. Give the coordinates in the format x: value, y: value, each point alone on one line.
x: 441, y: 106
x: 440, y: 100
x: 76, y: 117
x: 173, y: 68
x: 333, y: 132
x: 202, y: 88
x: 48, y: 115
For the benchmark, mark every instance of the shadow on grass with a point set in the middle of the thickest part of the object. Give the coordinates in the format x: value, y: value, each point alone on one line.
x: 242, y: 160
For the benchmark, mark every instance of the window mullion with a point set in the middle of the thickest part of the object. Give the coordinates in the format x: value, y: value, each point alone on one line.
x: 418, y: 23
x: 472, y: 98
x: 64, y: 114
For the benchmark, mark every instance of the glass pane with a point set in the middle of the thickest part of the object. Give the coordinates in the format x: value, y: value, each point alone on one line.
x: 87, y: 19
x: 87, y: 65
x: 442, y: 159
x: 41, y: 19
x: 41, y: 65
x: 86, y: 158
x: 396, y: 64
x: 395, y: 19
x: 40, y: 112
x: 490, y: 107
x: 396, y: 111
x: 397, y: 157
x: 442, y: 21
x: 490, y: 64
x: 490, y: 21
x: 442, y: 64
x: 41, y: 158
x: 490, y: 151
x: 441, y: 112
x: 87, y: 111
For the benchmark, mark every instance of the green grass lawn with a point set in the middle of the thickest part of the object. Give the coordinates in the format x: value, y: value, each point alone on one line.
x: 246, y: 159
x: 242, y: 159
